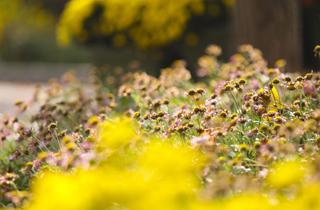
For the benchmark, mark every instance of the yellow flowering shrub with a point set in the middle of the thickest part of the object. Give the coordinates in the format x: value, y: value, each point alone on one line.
x: 146, y: 23
x: 18, y: 12
x: 4, y: 15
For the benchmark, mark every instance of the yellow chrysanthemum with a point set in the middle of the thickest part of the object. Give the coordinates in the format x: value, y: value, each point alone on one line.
x: 147, y: 23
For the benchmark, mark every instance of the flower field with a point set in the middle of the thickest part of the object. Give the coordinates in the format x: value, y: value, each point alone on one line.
x: 244, y: 137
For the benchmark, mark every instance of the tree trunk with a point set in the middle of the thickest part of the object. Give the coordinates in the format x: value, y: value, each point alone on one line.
x: 273, y: 26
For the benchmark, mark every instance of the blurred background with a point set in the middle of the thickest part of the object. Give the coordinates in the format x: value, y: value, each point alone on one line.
x: 41, y: 39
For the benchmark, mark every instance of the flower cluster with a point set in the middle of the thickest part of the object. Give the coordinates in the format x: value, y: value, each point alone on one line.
x: 245, y: 137
x: 82, y: 19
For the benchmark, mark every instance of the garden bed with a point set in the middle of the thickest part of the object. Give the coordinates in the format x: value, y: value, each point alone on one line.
x: 244, y: 137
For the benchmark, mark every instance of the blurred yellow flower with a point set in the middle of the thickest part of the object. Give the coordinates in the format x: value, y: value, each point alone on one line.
x: 163, y: 175
x: 116, y: 133
x: 251, y: 201
x: 147, y: 23
x: 286, y: 173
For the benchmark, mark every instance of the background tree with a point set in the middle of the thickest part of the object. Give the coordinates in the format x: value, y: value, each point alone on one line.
x: 273, y: 26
